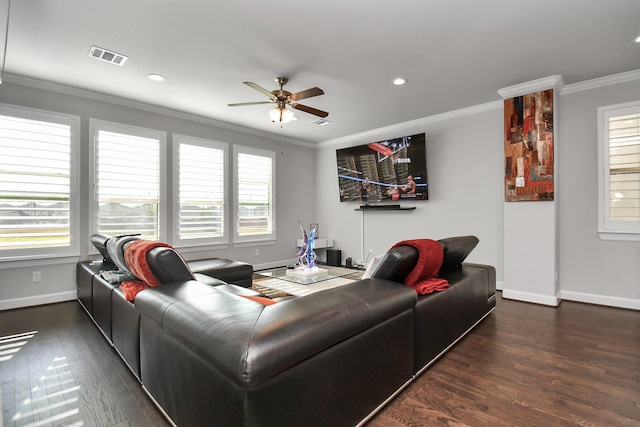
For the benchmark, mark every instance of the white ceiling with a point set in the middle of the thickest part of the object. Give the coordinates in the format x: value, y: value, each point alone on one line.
x: 454, y: 53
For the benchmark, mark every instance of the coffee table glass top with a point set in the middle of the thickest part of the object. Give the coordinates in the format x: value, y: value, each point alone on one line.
x: 327, y: 273
x: 275, y: 282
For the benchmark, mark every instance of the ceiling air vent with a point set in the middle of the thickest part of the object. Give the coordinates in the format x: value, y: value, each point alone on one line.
x: 320, y: 122
x: 107, y: 56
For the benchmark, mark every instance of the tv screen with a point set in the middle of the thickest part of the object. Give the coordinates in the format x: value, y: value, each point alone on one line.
x: 393, y: 170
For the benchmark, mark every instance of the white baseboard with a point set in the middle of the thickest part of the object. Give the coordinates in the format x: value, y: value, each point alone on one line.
x: 38, y: 300
x: 618, y: 302
x: 530, y: 297
x: 499, y: 286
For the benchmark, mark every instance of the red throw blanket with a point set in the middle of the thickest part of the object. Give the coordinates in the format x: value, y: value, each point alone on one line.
x: 135, y: 255
x: 423, y: 278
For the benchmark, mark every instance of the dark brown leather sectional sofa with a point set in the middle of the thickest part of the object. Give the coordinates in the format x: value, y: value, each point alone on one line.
x: 209, y: 356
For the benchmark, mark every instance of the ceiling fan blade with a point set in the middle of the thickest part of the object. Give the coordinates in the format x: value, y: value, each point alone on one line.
x: 310, y: 110
x: 241, y: 104
x: 314, y: 91
x: 259, y: 89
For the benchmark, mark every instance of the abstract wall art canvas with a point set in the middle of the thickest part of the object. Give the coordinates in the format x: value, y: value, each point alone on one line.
x: 529, y: 147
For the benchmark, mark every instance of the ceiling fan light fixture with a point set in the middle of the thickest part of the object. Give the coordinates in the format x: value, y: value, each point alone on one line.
x: 281, y: 115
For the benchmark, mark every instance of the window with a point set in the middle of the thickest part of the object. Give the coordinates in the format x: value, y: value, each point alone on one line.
x: 619, y: 172
x: 199, y: 205
x: 254, y: 194
x: 37, y: 183
x: 128, y: 180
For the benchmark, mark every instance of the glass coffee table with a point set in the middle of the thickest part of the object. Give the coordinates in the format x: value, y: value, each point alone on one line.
x: 277, y: 279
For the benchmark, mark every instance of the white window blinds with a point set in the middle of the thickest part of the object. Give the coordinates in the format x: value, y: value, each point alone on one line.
x: 127, y: 184
x: 35, y: 184
x: 255, y: 193
x: 201, y: 188
x: 624, y: 168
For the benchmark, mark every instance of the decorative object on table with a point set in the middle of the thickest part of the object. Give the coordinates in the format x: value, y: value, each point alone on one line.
x: 306, y: 256
x: 315, y: 227
x: 528, y: 147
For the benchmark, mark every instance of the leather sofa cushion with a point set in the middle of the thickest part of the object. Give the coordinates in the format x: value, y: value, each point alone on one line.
x: 251, y: 343
x: 224, y: 269
x: 154, y: 302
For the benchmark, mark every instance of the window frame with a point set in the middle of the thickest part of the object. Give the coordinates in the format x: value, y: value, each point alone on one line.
x: 178, y: 140
x: 96, y: 125
x: 74, y: 122
x: 607, y: 229
x: 270, y: 237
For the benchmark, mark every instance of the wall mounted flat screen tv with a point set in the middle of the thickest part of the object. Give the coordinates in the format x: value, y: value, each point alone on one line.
x: 391, y: 170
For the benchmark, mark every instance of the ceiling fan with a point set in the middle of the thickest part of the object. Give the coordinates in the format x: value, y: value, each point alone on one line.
x: 282, y: 98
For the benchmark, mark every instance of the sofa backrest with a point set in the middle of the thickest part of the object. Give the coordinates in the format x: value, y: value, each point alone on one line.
x: 168, y: 266
x: 398, y: 262
x: 99, y: 241
x: 456, y: 250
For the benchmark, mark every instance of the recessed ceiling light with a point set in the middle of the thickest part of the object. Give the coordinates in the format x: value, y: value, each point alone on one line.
x: 399, y: 81
x: 156, y: 78
x: 637, y: 40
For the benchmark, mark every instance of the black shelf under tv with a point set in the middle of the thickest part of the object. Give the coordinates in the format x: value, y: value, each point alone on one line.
x: 366, y: 208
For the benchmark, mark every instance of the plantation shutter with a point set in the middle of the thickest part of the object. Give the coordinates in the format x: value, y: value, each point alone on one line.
x: 128, y: 184
x: 201, y: 192
x: 35, y: 184
x: 255, y: 195
x: 624, y: 168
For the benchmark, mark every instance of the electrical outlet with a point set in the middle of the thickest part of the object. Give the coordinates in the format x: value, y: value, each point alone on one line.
x: 37, y: 276
x: 257, y: 252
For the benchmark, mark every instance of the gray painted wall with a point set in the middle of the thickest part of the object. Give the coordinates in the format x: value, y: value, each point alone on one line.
x: 590, y: 269
x: 464, y: 160
x: 295, y: 167
x: 464, y: 169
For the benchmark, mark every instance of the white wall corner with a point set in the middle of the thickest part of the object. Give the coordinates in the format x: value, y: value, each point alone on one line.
x: 551, y: 300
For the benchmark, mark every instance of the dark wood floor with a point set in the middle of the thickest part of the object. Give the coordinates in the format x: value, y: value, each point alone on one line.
x: 56, y: 369
x: 532, y: 365
x: 525, y: 365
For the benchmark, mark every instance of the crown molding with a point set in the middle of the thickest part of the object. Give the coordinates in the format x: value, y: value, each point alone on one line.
x: 101, y: 97
x: 551, y: 82
x: 401, y: 127
x: 627, y: 76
